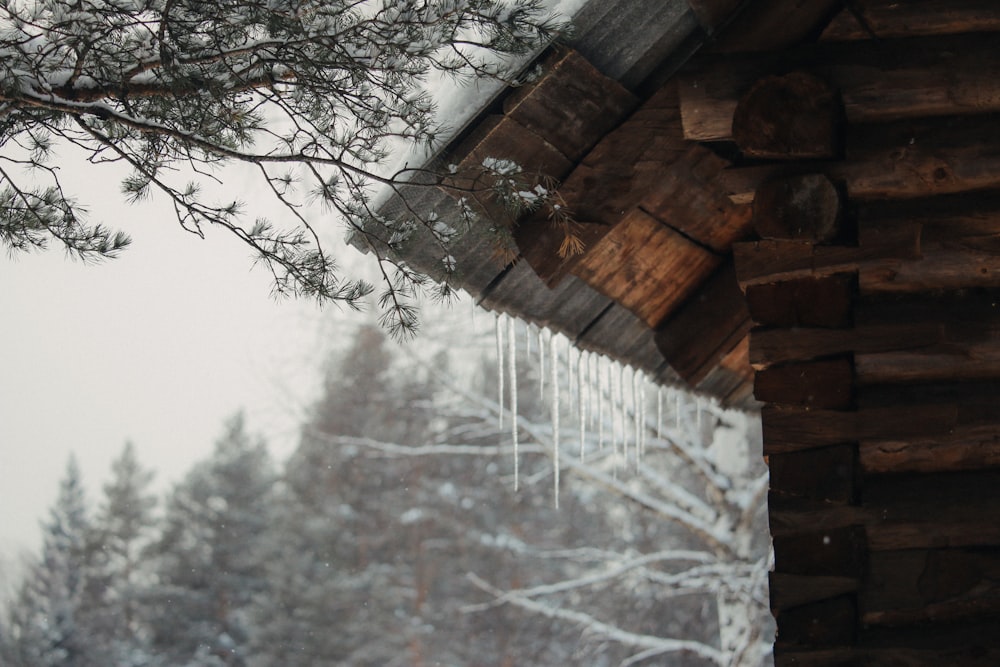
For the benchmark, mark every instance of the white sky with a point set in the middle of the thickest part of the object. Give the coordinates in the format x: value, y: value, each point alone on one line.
x: 158, y: 346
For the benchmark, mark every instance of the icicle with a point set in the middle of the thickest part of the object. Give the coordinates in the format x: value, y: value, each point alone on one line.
x: 677, y: 407
x: 643, y: 404
x: 636, y: 415
x: 612, y: 411
x: 554, y: 365
x: 512, y: 368
x: 541, y: 364
x: 659, y: 412
x: 622, y: 412
x: 697, y: 413
x: 582, y: 398
x: 570, y: 377
x: 527, y: 340
x: 600, y: 404
x: 499, y: 335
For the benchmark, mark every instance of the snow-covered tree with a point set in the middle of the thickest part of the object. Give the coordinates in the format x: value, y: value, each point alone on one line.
x: 123, y: 527
x: 50, y: 622
x: 207, y: 561
x: 309, y: 95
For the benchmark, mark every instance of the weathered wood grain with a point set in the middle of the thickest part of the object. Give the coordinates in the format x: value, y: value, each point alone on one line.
x: 793, y: 590
x: 706, y: 328
x: 789, y: 429
x: 769, y: 347
x: 790, y: 117
x: 804, y: 207
x: 572, y: 105
x: 887, y: 19
x: 646, y: 266
x: 818, y: 384
x: 805, y: 302
x: 770, y: 261
x: 878, y: 81
x: 930, y: 585
x: 823, y: 474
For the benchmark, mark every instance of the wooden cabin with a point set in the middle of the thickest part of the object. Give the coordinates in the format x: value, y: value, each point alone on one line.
x: 794, y: 206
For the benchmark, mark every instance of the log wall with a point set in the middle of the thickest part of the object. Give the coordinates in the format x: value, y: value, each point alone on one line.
x: 876, y: 348
x: 873, y: 287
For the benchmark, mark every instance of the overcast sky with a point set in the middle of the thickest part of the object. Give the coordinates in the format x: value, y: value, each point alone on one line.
x: 158, y: 346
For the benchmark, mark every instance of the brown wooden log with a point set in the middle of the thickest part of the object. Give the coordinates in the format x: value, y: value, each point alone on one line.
x: 887, y: 19
x: 793, y: 590
x: 772, y: 25
x: 706, y: 328
x: 905, y: 511
x: 831, y: 622
x: 898, y: 656
x: 878, y: 81
x: 817, y: 384
x: 916, y: 585
x: 964, y: 447
x: 805, y: 207
x: 769, y: 347
x: 970, y: 344
x: 806, y: 302
x: 789, y: 117
x: 646, y: 266
x: 771, y: 261
x: 788, y: 429
x: 572, y: 105
x: 836, y: 552
x: 824, y: 474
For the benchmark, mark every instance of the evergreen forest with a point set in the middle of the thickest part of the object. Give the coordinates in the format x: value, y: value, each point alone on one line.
x: 393, y: 535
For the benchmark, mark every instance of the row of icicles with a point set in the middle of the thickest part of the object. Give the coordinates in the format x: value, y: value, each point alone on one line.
x: 607, y: 400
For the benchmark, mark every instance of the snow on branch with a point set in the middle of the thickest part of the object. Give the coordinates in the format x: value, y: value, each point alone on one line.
x: 607, y: 631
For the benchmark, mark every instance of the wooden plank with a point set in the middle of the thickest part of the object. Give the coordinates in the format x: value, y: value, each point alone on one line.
x: 620, y: 335
x: 806, y: 302
x: 817, y: 384
x: 878, y: 81
x: 805, y: 207
x: 571, y: 106
x: 887, y: 19
x: 706, y: 328
x: 687, y: 196
x: 500, y: 137
x: 772, y: 260
x: 793, y: 590
x: 646, y: 266
x: 769, y: 347
x: 938, y: 584
x: 824, y: 474
x: 628, y: 39
x: 790, y: 117
x: 569, y: 308
x: 788, y: 429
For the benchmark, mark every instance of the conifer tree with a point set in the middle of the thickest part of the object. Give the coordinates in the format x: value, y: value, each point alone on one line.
x: 310, y: 96
x: 51, y: 624
x: 122, y: 528
x: 208, y: 558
